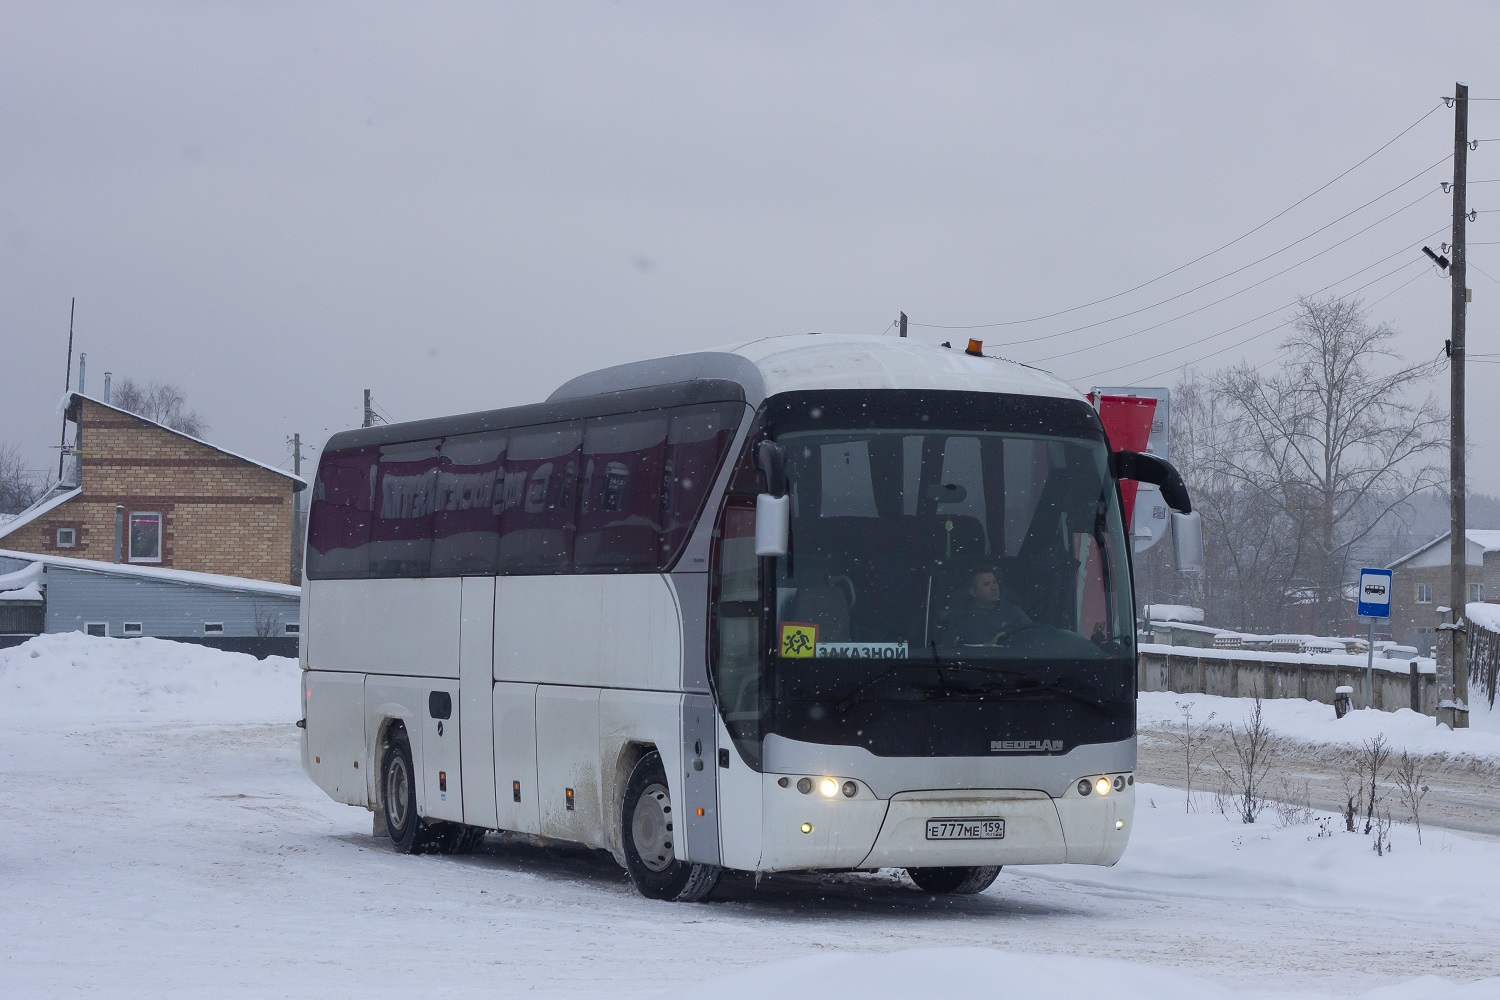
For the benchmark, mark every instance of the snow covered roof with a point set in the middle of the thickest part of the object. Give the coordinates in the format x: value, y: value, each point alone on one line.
x: 160, y: 574
x: 24, y: 595
x: 47, y: 503
x: 1173, y: 613
x: 24, y: 577
x: 69, y: 399
x: 1482, y: 539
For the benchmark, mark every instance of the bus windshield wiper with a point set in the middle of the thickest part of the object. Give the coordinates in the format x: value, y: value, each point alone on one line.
x: 1027, y: 685
x: 853, y: 697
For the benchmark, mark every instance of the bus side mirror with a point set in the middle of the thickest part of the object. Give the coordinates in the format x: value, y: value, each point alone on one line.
x: 1145, y: 468
x: 773, y: 525
x: 770, y: 458
x: 1187, y: 542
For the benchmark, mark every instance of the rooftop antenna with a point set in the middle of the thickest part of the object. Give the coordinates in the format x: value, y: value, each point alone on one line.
x: 62, y: 451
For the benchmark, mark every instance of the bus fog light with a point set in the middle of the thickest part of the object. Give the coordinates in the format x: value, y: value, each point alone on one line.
x: 850, y: 789
x: 828, y: 787
x: 1119, y: 783
x: 1084, y: 787
x: 807, y: 828
x: 1102, y: 786
x: 804, y: 785
x: 1119, y: 824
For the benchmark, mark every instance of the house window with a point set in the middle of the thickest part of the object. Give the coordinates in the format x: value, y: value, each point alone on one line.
x: 97, y: 628
x: 132, y: 628
x: 1476, y: 592
x: 145, y: 537
x: 213, y: 628
x: 67, y: 537
x: 293, y: 628
x: 1424, y: 593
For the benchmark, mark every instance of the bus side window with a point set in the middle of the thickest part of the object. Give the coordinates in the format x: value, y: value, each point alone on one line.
x: 620, y: 506
x: 696, y: 445
x: 738, y: 626
x: 405, y: 492
x: 470, y: 493
x: 542, y: 471
x: 338, y: 526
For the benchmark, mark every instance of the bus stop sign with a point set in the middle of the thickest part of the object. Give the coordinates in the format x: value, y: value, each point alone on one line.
x: 1374, y: 593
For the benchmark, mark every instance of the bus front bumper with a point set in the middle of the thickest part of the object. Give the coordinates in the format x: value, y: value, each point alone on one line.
x: 942, y: 827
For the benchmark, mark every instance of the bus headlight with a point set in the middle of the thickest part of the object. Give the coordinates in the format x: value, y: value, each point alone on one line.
x: 828, y: 787
x: 1102, y: 786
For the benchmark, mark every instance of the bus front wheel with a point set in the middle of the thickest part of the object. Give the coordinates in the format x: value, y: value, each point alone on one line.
x: 959, y: 881
x: 648, y: 829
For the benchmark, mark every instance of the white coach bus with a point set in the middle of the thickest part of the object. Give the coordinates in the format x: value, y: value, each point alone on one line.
x: 818, y: 602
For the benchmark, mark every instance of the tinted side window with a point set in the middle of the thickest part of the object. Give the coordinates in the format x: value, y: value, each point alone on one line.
x: 470, y: 498
x: 696, y: 444
x: 623, y: 492
x: 338, y: 526
x: 405, y: 494
x: 542, y: 467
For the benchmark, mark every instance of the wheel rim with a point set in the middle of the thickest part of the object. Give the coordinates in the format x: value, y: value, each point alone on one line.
x: 397, y: 793
x: 651, y: 827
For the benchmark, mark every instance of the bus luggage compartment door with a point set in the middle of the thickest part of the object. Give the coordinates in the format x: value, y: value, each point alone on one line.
x: 334, y: 744
x: 441, y: 753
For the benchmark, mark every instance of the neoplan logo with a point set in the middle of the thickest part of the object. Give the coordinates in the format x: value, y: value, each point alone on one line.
x: 1025, y: 746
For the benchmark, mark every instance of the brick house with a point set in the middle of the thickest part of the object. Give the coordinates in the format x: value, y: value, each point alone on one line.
x: 163, y: 498
x: 1419, y: 584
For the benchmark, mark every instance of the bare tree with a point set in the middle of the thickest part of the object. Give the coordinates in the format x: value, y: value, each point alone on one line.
x: 1254, y: 752
x: 1369, y: 763
x: 1193, y: 742
x: 1331, y: 445
x: 19, y: 486
x: 1411, y: 787
x: 162, y: 402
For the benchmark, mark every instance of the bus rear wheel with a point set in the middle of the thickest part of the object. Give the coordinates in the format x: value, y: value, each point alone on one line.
x: 648, y: 828
x: 961, y: 881
x: 398, y: 797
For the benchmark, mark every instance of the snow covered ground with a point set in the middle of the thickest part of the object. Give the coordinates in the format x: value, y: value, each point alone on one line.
x: 161, y: 840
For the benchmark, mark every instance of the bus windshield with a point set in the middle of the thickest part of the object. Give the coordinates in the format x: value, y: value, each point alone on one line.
x: 951, y: 544
x: 956, y: 579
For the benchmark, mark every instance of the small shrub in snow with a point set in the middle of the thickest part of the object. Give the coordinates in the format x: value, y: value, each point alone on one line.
x: 1254, y: 751
x: 1411, y: 788
x: 1382, y: 845
x: 1293, y: 804
x: 1370, y: 761
x: 1193, y: 742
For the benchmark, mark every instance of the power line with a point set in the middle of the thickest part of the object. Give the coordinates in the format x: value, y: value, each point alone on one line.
x: 1262, y: 281
x: 1201, y: 257
x: 1133, y: 312
x: 1247, y: 340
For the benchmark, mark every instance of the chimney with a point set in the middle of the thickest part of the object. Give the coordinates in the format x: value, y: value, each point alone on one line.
x: 83, y: 360
x: 106, y: 386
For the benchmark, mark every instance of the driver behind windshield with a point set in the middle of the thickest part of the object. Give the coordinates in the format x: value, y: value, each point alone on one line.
x: 986, y: 615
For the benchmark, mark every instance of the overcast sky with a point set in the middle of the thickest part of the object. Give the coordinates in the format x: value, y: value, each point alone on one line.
x: 460, y: 206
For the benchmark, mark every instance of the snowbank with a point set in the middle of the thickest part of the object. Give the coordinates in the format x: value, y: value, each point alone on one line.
x: 1315, y: 722
x: 1425, y: 664
x: 982, y: 972
x: 68, y: 678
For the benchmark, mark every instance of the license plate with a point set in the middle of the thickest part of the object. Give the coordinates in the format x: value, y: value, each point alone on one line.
x: 976, y: 828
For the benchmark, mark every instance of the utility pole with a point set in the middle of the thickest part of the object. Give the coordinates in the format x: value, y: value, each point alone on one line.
x: 1453, y: 694
x: 903, y: 326
x: 62, y: 449
x: 296, y: 511
x: 369, y: 411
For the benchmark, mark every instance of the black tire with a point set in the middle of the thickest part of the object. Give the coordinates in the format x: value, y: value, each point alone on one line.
x: 963, y: 881
x: 646, y: 833
x: 398, y: 797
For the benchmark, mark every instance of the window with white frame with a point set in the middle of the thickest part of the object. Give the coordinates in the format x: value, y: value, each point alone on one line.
x: 213, y: 628
x: 1476, y: 592
x: 132, y: 628
x: 145, y: 536
x: 97, y: 628
x: 293, y: 628
x: 67, y: 538
x: 1424, y: 593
